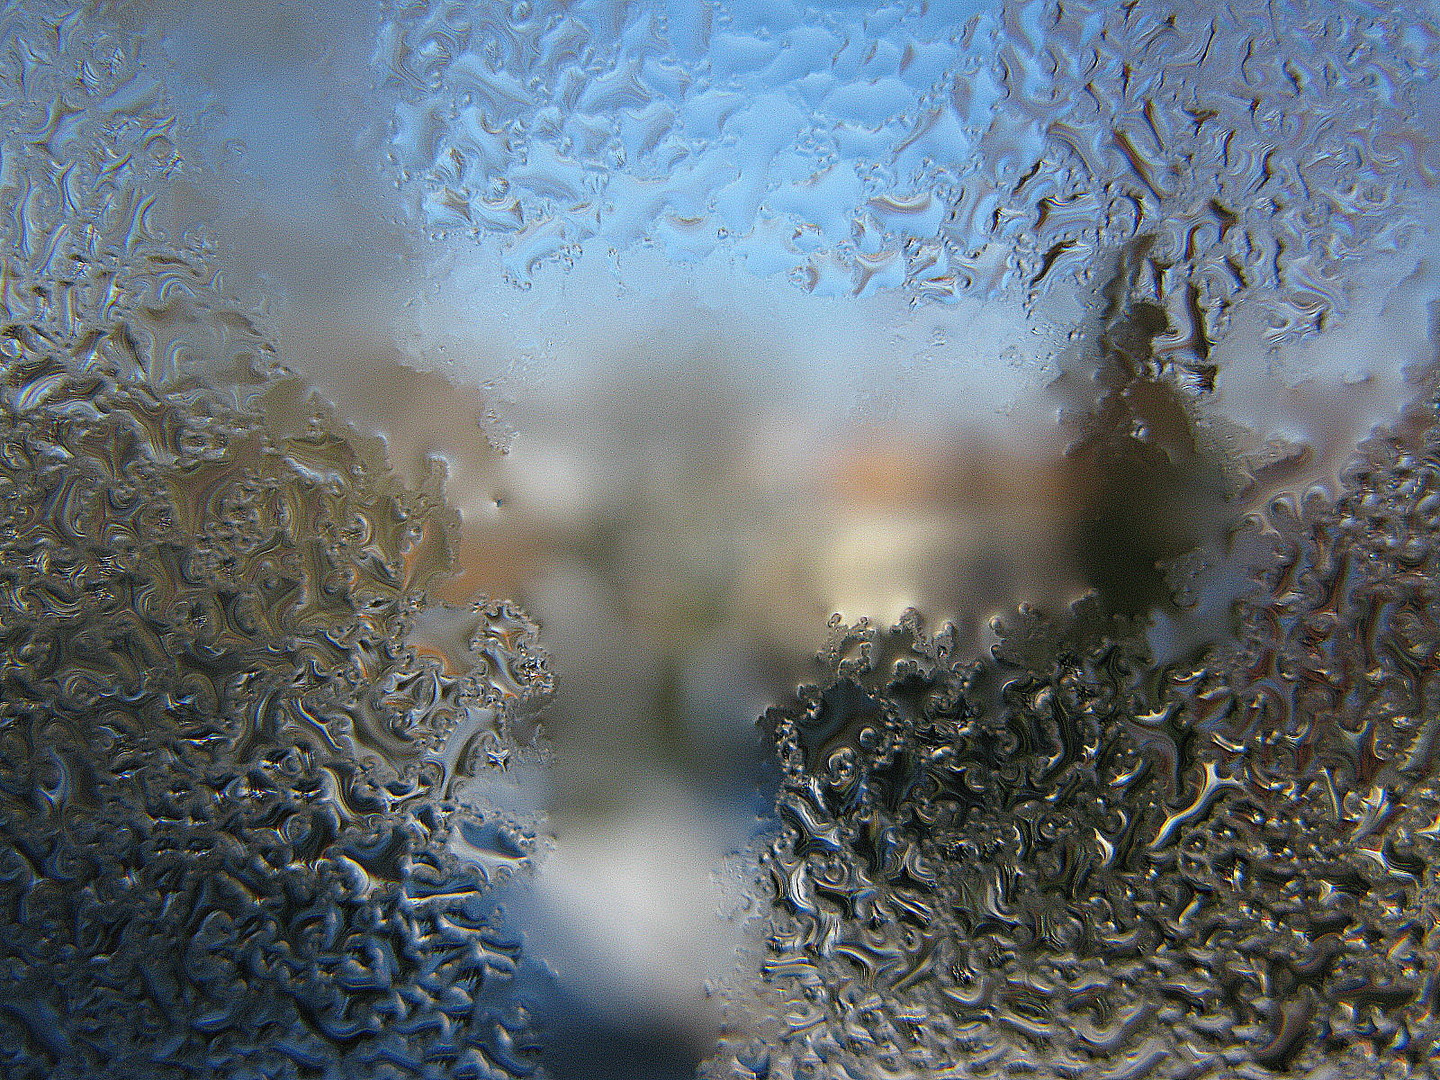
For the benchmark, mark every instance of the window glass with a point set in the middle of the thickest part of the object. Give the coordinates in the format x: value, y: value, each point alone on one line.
x: 732, y: 539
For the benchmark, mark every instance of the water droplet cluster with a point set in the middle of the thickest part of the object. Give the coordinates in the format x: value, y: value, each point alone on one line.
x: 226, y: 839
x: 990, y: 150
x: 244, y: 764
x: 1068, y: 860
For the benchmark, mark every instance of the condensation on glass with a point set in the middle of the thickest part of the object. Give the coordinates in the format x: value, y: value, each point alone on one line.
x: 386, y: 388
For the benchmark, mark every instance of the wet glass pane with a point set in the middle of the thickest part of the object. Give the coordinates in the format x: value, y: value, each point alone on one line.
x: 725, y: 539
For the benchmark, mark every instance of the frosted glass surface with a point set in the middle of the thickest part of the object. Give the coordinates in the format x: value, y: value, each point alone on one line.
x: 735, y: 540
